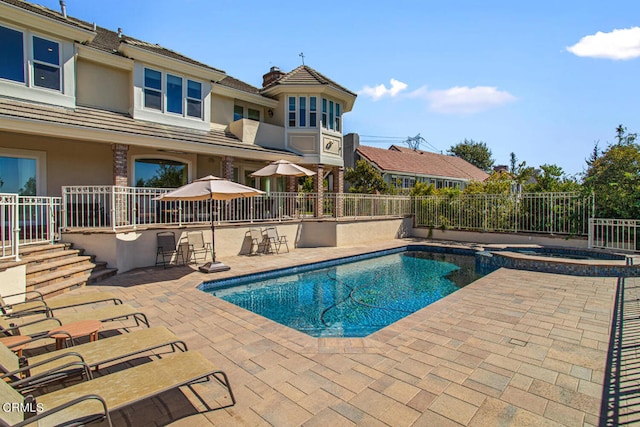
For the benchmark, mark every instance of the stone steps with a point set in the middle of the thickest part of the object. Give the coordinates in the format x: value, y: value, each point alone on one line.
x: 52, y: 269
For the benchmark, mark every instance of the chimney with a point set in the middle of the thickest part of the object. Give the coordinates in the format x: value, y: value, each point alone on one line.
x: 63, y: 9
x: 273, y: 75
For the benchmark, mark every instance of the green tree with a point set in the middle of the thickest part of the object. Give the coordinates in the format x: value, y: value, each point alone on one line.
x: 364, y: 178
x: 614, y: 178
x: 423, y: 189
x: 476, y: 153
x: 552, y: 179
x: 497, y: 183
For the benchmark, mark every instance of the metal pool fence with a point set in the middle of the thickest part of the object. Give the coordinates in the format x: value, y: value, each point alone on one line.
x: 553, y: 213
x: 620, y: 234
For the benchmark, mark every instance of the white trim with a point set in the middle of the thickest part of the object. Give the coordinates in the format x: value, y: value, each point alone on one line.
x: 41, y: 165
x: 65, y: 96
x: 238, y: 94
x: 160, y: 156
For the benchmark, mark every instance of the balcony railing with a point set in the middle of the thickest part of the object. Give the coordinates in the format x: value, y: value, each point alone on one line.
x: 620, y: 234
x: 118, y: 207
x: 27, y: 220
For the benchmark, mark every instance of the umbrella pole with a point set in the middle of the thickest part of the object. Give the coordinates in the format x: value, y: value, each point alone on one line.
x: 213, y: 231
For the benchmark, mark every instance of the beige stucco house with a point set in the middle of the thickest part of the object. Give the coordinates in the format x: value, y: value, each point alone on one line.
x: 84, y: 105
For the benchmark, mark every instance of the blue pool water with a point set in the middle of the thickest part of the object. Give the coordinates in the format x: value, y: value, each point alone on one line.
x: 354, y: 299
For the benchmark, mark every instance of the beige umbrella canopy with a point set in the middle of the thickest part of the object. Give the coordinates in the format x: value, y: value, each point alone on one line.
x: 283, y: 168
x: 211, y: 188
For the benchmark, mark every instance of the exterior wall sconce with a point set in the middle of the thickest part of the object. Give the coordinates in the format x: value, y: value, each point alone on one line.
x: 270, y: 112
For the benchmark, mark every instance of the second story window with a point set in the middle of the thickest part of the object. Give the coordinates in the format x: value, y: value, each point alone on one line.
x: 46, y: 63
x: 313, y: 118
x: 331, y: 115
x: 42, y: 60
x: 303, y: 111
x: 194, y: 99
x: 168, y: 93
x: 292, y: 111
x: 12, y: 54
x: 253, y: 114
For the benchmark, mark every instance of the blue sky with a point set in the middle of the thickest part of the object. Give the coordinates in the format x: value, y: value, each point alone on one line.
x: 543, y: 79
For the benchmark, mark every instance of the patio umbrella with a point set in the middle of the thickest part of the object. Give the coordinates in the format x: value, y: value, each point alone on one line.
x: 283, y: 168
x: 211, y: 188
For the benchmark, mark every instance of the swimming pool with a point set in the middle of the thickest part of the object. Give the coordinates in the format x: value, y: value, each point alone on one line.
x: 351, y: 299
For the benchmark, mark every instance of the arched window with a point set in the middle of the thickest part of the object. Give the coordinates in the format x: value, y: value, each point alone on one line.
x: 160, y: 173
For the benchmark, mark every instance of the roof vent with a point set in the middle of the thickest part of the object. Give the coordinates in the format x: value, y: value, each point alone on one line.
x: 119, y: 32
x: 63, y: 8
x: 273, y: 75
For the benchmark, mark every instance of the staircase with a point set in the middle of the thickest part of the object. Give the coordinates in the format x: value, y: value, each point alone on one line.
x: 56, y: 268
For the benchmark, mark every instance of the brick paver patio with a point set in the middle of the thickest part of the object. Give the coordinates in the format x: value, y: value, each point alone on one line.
x: 513, y: 348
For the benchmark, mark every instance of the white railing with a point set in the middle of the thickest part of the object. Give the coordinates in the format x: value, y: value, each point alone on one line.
x: 620, y: 234
x: 118, y: 207
x: 553, y: 213
x: 27, y: 220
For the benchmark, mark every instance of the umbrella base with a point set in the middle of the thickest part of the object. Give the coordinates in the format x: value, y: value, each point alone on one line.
x: 213, y: 267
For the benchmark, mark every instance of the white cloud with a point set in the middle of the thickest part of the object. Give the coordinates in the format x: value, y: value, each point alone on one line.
x: 467, y: 100
x: 456, y: 100
x: 381, y: 90
x: 618, y: 44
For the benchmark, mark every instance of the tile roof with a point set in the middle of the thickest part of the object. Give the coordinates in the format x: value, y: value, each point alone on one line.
x: 405, y: 160
x: 92, y: 118
x: 305, y: 75
x: 234, y: 83
x: 106, y: 40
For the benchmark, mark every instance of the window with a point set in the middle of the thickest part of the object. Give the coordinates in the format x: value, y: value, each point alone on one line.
x: 194, y: 99
x: 324, y: 113
x: 331, y: 115
x: 152, y: 89
x: 174, y: 94
x: 18, y: 175
x: 160, y: 173
x: 238, y: 112
x: 253, y: 114
x: 43, y: 59
x: 313, y: 119
x: 168, y: 93
x: 302, y: 108
x: 292, y: 111
x: 46, y: 63
x: 12, y: 54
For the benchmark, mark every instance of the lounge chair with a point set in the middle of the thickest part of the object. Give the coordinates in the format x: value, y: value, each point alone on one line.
x: 197, y: 246
x: 33, y: 326
x: 37, y: 304
x: 61, y: 363
x: 275, y: 241
x: 259, y: 243
x: 100, y: 396
x: 167, y: 249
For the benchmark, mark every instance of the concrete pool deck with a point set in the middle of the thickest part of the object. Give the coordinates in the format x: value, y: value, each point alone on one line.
x: 513, y: 348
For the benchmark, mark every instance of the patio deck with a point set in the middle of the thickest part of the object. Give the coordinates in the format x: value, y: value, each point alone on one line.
x: 513, y: 348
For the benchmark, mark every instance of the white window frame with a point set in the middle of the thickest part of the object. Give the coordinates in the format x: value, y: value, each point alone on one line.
x: 34, y: 61
x: 26, y: 89
x: 327, y: 122
x: 41, y: 165
x: 164, y: 93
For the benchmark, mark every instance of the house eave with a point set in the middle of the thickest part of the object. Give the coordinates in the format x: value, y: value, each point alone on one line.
x: 44, y: 24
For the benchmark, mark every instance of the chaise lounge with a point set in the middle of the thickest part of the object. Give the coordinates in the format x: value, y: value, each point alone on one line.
x: 37, y: 303
x: 25, y: 372
x: 95, y: 399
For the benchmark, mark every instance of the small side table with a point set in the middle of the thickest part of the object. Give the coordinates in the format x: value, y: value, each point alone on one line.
x: 14, y: 343
x: 75, y: 330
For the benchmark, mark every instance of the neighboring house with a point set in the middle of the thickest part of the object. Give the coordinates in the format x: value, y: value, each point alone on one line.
x: 83, y: 105
x: 403, y: 167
